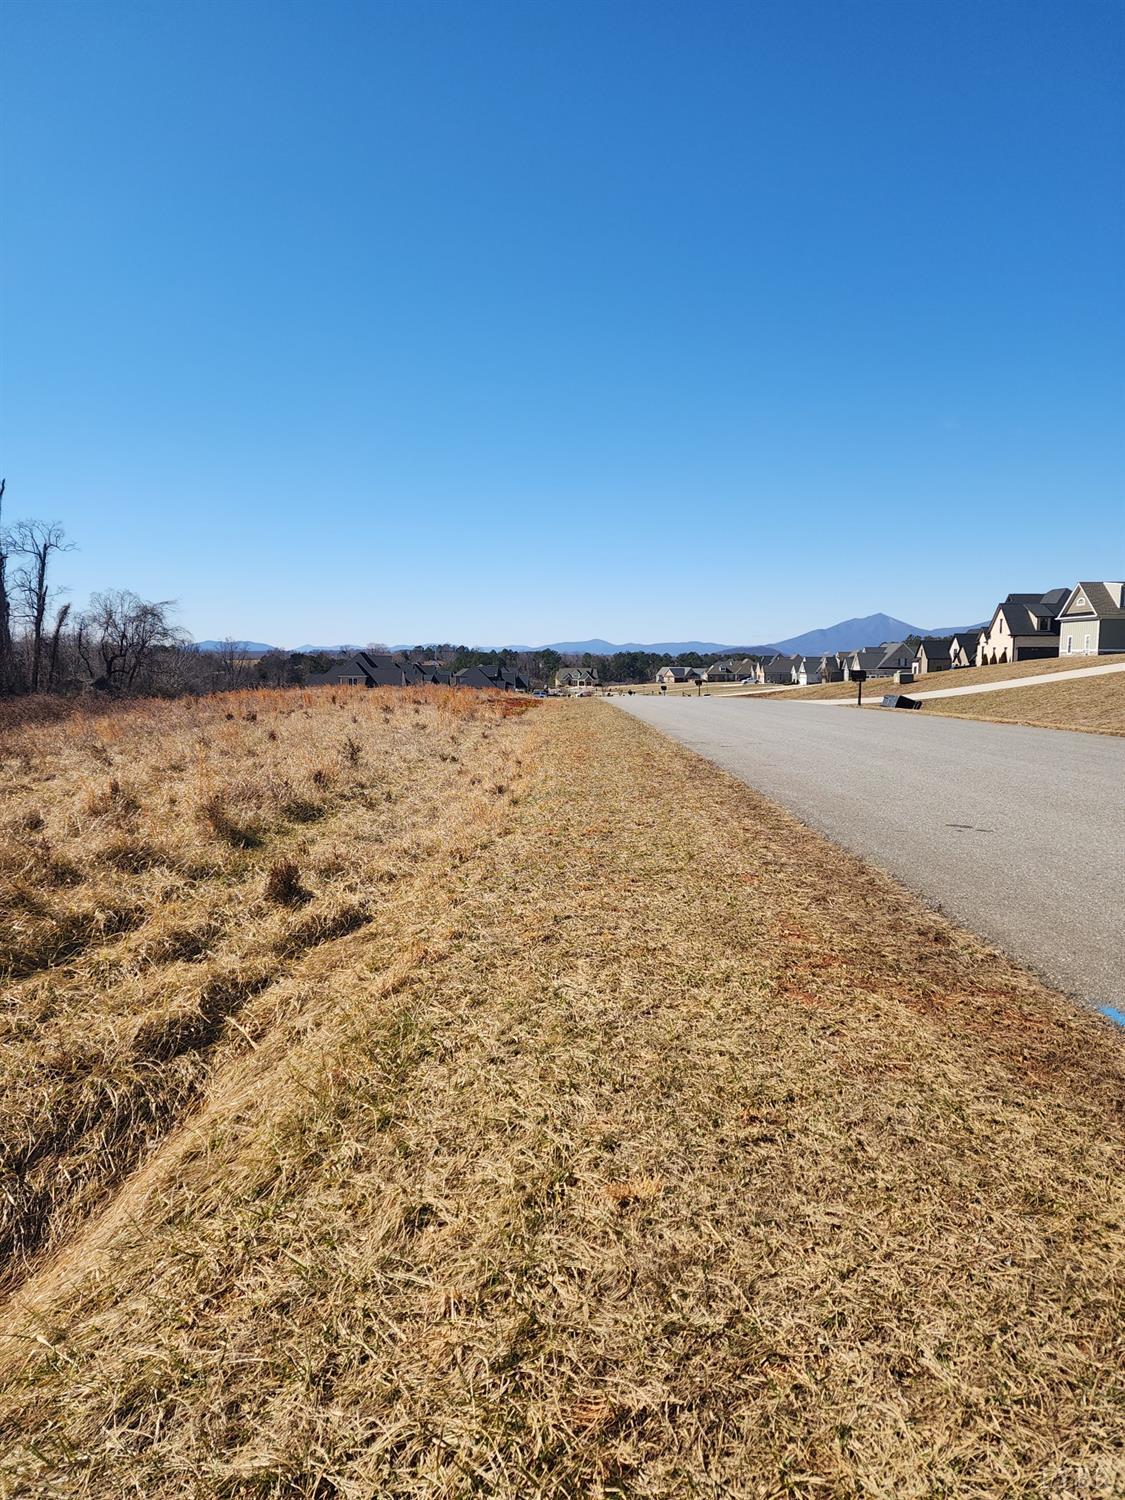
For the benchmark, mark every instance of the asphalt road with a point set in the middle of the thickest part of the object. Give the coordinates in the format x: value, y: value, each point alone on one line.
x: 1017, y: 833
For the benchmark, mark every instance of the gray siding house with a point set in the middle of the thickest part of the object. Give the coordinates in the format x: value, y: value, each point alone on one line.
x: 897, y: 657
x: 1092, y: 620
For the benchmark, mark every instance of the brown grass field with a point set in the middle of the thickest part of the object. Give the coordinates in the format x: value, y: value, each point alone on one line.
x: 1095, y: 705
x: 406, y: 1095
x: 963, y: 677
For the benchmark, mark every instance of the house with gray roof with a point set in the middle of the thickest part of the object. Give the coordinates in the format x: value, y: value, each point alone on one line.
x: 781, y: 669
x: 963, y: 648
x: 720, y: 671
x: 934, y: 654
x: 492, y: 674
x: 577, y: 677
x: 1092, y: 620
x: 364, y: 669
x: 1024, y: 627
x: 865, y: 660
x: 898, y: 656
x: 749, y: 669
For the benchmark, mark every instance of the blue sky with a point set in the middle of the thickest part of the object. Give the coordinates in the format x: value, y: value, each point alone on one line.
x: 525, y: 321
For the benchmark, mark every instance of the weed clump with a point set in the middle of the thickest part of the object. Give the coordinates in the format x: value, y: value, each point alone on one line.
x: 283, y: 884
x: 110, y: 801
x: 215, y: 814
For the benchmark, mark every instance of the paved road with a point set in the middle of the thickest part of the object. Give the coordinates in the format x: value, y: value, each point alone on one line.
x: 1017, y: 833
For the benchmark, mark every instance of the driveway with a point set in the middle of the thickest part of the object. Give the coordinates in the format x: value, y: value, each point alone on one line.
x: 1017, y: 833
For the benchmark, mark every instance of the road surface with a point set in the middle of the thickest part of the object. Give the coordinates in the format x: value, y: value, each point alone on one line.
x: 1017, y: 833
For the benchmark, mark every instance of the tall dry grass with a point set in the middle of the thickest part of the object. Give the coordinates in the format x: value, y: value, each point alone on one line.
x: 144, y: 924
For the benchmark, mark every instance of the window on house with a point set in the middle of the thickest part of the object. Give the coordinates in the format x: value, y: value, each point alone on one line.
x: 1087, y: 646
x: 1069, y: 645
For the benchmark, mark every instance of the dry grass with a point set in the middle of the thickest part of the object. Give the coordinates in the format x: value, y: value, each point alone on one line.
x: 963, y: 677
x: 1093, y: 704
x: 147, y: 859
x: 619, y: 1151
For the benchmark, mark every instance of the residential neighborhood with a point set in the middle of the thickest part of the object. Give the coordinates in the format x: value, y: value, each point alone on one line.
x: 376, y: 669
x: 1085, y: 620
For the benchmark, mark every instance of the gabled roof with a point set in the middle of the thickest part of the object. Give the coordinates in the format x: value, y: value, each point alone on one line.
x: 895, y: 650
x: 936, y: 646
x: 378, y: 659
x: 1103, y: 604
x: 866, y: 656
x: 1021, y: 611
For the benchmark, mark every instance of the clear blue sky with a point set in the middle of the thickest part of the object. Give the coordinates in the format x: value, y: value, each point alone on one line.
x: 527, y: 321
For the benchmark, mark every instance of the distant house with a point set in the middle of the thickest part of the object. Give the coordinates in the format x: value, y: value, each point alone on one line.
x: 807, y: 671
x: 364, y: 669
x: 576, y: 677
x: 1092, y: 620
x: 1024, y: 627
x: 492, y: 674
x: 749, y: 669
x: 781, y: 669
x: 721, y: 671
x: 897, y: 656
x: 865, y: 660
x: 963, y: 648
x: 831, y: 666
x: 670, y: 675
x: 934, y: 654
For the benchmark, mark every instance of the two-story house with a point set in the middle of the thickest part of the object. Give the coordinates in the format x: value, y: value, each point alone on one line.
x: 1024, y: 627
x: 1092, y: 620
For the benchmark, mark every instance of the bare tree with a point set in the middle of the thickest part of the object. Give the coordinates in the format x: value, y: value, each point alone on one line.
x: 123, y: 641
x: 56, y: 636
x: 230, y: 662
x: 7, y: 657
x: 35, y: 541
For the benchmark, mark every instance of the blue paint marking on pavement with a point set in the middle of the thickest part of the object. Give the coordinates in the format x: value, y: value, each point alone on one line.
x: 1117, y: 1016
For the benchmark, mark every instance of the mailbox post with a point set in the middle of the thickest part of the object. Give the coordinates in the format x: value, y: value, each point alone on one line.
x: 859, y: 678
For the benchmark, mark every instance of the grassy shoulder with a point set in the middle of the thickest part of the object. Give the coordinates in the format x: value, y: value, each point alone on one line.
x: 1095, y: 705
x: 963, y: 677
x: 625, y: 1149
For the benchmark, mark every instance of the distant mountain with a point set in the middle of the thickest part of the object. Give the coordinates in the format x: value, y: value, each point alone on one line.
x: 258, y: 648
x: 847, y: 635
x: 341, y: 650
x: 607, y: 648
x: 850, y: 635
